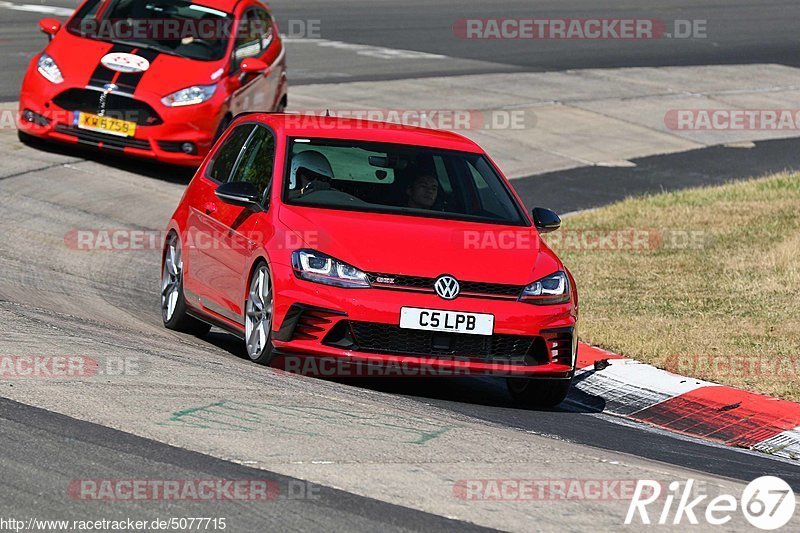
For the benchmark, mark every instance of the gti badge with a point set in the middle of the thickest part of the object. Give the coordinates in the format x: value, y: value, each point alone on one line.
x: 121, y: 62
x: 447, y: 287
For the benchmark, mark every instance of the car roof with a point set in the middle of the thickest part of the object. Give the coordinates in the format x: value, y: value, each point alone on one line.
x: 316, y: 126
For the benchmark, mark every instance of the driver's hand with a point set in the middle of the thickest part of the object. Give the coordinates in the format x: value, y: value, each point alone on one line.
x: 316, y: 185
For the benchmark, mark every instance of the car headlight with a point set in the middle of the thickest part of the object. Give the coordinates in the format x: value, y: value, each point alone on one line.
x: 47, y: 67
x: 196, y: 94
x: 552, y: 289
x: 321, y: 268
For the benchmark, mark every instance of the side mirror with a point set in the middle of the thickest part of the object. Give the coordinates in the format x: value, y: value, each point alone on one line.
x: 252, y: 65
x: 241, y: 193
x: 545, y: 220
x: 50, y: 27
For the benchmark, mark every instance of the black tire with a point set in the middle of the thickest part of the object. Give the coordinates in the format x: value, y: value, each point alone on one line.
x: 538, y: 393
x: 258, y: 308
x: 176, y: 318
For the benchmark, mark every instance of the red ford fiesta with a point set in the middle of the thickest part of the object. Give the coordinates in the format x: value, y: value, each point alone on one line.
x: 157, y: 79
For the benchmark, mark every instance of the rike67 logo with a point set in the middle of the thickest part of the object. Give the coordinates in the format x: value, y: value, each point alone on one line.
x: 767, y: 503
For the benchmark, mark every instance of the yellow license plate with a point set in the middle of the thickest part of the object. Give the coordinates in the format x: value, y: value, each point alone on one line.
x: 113, y: 126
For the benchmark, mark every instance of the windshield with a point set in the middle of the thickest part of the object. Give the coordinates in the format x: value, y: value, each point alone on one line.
x: 171, y: 26
x: 399, y: 179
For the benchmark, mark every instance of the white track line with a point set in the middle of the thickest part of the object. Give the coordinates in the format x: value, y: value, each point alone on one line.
x: 35, y: 8
x: 380, y: 52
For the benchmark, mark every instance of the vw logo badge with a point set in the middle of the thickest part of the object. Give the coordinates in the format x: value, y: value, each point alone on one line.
x: 447, y: 287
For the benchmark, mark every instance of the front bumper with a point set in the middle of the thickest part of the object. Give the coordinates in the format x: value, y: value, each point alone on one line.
x: 41, y: 116
x: 357, y: 331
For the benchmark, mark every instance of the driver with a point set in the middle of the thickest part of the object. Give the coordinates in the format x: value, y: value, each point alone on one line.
x: 311, y: 172
x: 423, y: 191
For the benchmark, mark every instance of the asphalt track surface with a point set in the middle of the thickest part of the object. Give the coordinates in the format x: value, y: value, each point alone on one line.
x: 61, y: 301
x: 41, y: 291
x: 32, y: 437
x: 587, y: 187
x: 737, y: 32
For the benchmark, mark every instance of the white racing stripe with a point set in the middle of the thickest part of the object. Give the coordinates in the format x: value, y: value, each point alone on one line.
x: 35, y: 8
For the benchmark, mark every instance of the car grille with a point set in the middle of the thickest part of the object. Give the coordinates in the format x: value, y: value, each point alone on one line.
x: 391, y: 339
x: 117, y: 106
x: 102, y: 140
x: 422, y: 284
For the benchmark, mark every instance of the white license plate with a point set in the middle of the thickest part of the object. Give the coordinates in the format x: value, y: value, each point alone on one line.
x: 449, y: 321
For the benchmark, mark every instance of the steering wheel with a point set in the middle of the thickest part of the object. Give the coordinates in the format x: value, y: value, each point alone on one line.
x: 205, y: 43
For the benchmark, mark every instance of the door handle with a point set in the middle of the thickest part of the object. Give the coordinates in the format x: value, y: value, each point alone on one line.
x: 210, y: 208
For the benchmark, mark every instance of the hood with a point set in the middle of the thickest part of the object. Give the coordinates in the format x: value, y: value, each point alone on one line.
x: 417, y: 246
x: 80, y: 60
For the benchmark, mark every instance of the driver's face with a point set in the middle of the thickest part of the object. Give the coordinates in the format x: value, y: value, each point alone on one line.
x: 424, y: 191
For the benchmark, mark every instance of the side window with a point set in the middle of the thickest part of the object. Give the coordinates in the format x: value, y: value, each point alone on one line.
x: 258, y: 160
x: 226, y: 156
x: 248, y: 40
x: 264, y: 27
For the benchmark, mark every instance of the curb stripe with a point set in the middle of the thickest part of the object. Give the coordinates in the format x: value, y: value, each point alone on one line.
x: 724, y: 414
x: 688, y: 406
x: 787, y: 444
x: 589, y: 355
x: 626, y: 387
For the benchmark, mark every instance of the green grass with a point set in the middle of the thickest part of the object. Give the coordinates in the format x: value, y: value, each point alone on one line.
x: 733, y: 297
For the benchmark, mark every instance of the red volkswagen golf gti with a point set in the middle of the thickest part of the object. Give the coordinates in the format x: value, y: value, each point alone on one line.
x: 159, y: 79
x: 363, y: 242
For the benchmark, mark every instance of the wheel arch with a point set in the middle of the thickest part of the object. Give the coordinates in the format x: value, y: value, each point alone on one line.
x: 171, y: 228
x: 257, y: 260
